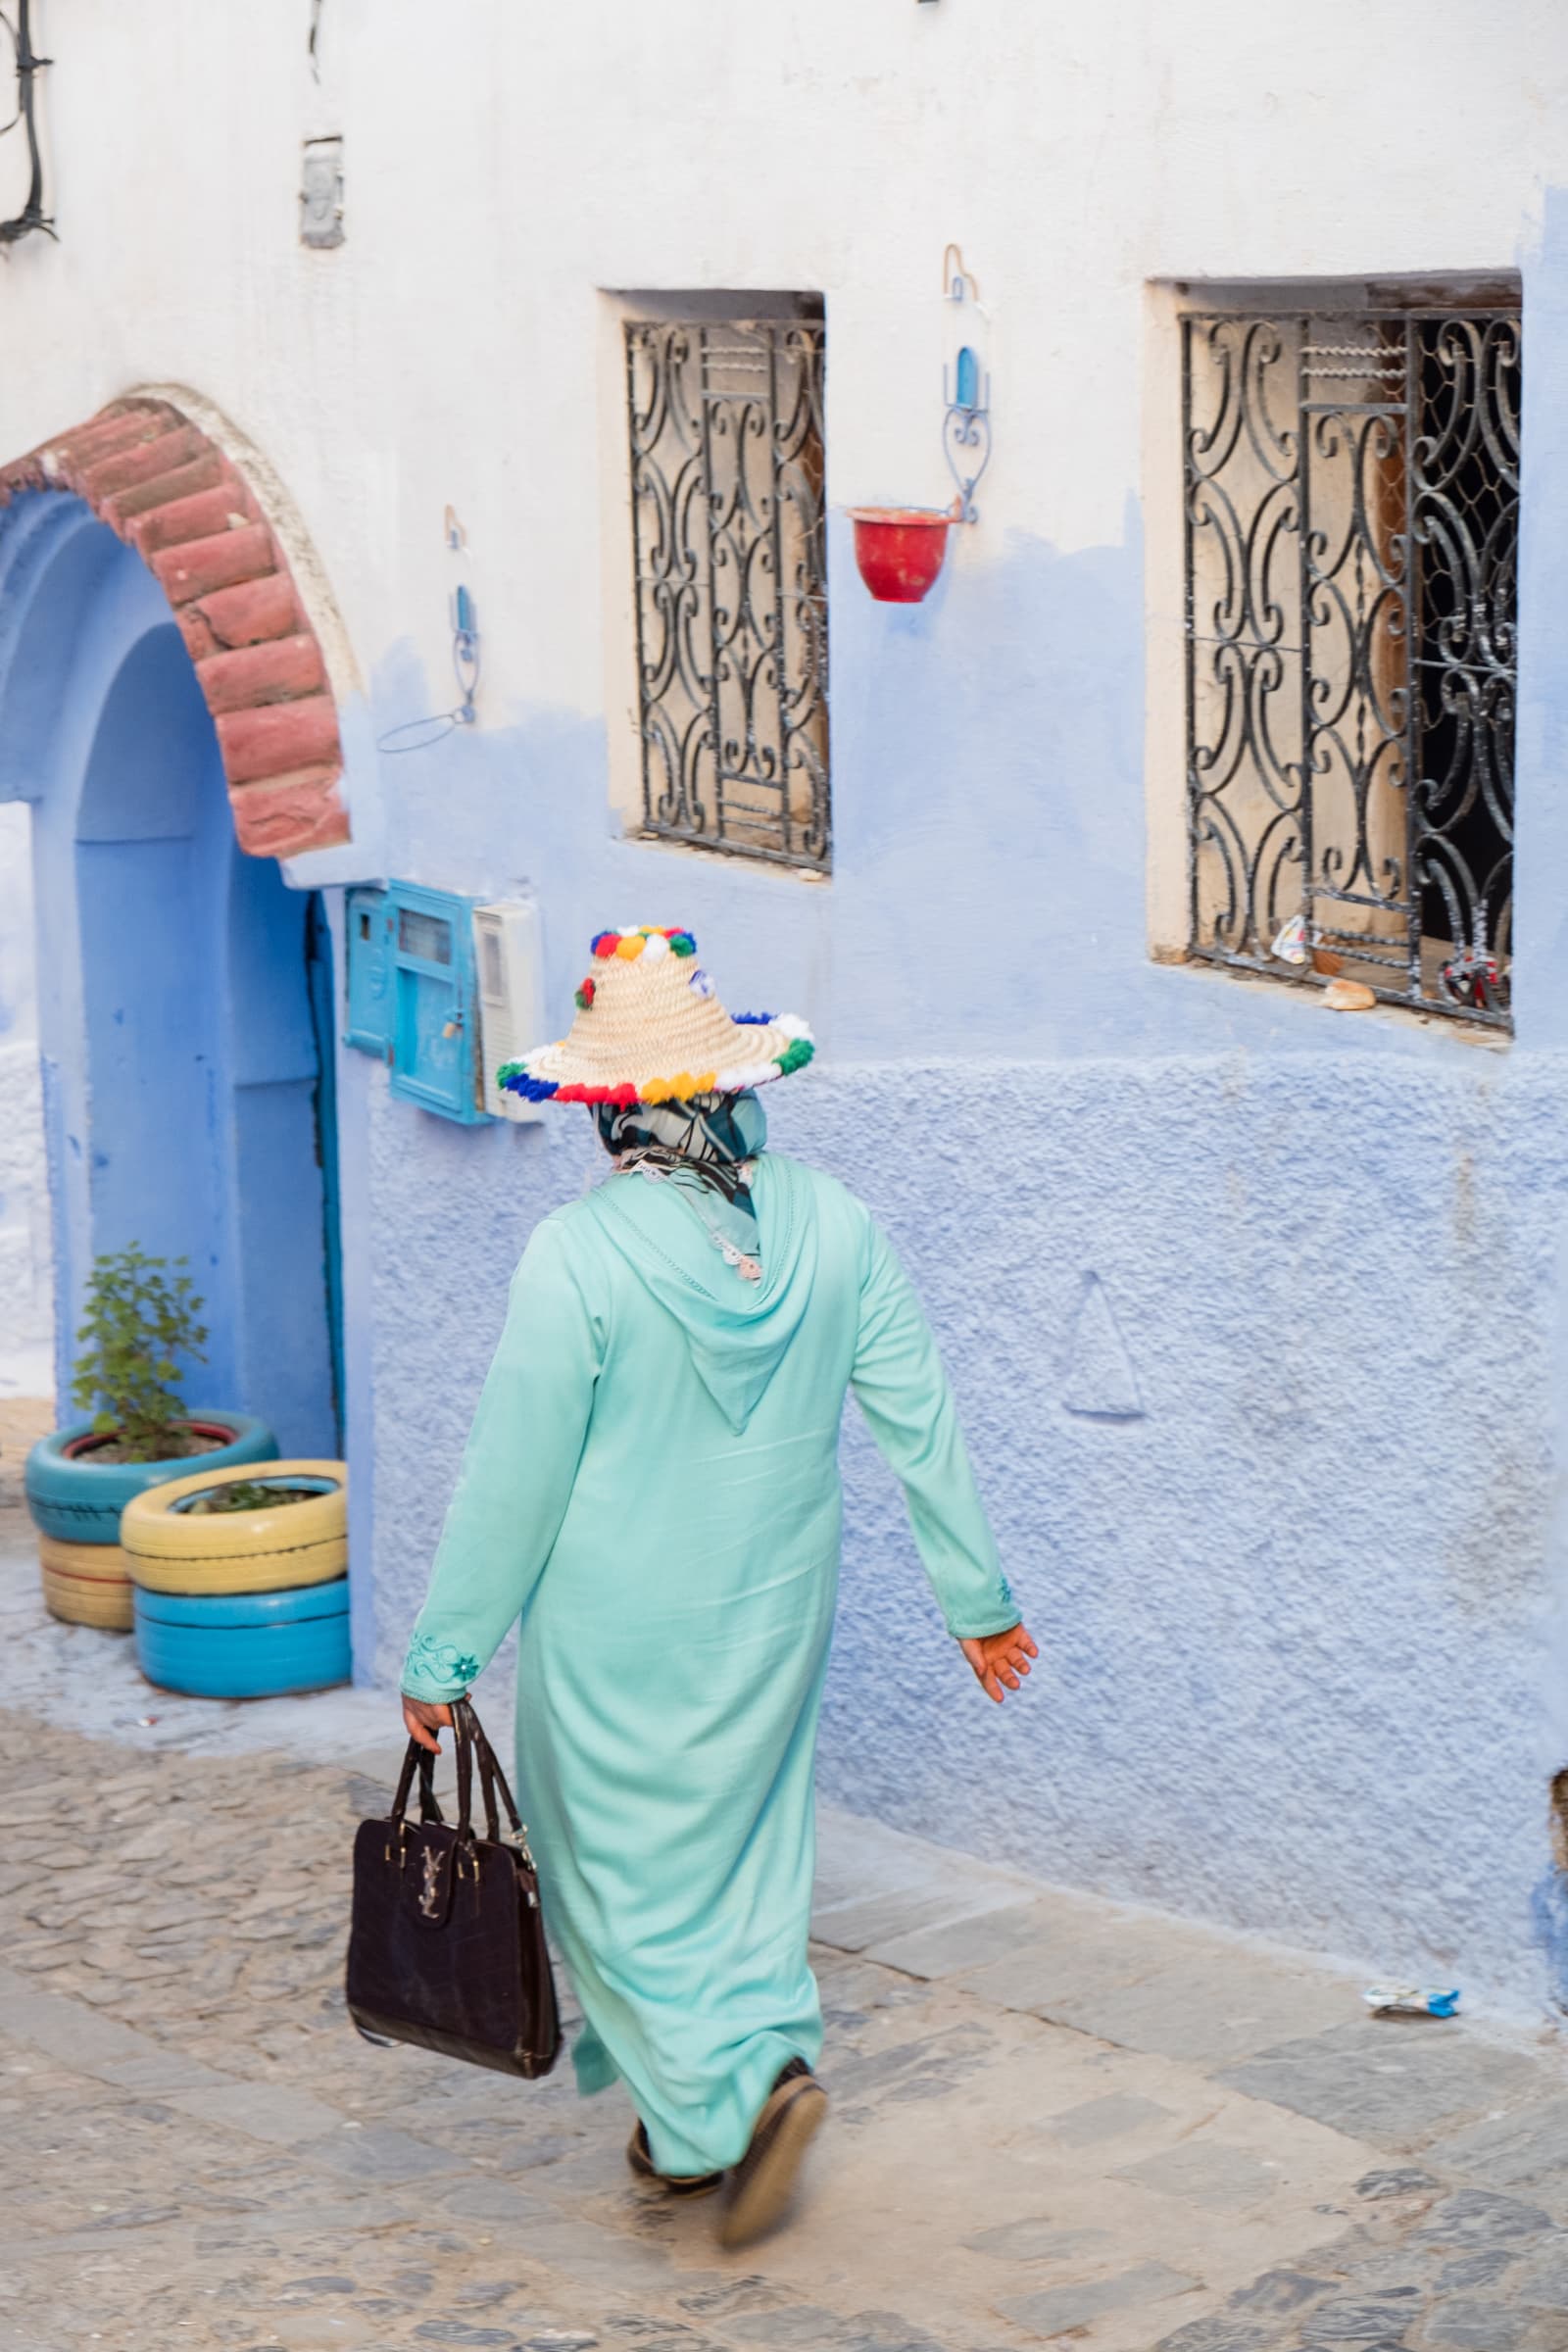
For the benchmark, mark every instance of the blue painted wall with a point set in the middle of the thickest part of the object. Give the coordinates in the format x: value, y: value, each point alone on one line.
x: 174, y: 1014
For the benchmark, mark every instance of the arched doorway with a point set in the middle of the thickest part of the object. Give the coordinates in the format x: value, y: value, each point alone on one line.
x: 185, y: 1005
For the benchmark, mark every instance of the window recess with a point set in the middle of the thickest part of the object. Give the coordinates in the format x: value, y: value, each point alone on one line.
x: 1351, y: 494
x: 730, y: 584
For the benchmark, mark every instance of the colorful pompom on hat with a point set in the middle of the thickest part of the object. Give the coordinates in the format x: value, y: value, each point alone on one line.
x: 651, y: 1029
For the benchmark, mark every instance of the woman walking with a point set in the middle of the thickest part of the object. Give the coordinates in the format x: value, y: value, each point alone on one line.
x: 651, y: 1486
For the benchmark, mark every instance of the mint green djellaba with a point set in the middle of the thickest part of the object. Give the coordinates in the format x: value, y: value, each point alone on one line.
x: 652, y: 1487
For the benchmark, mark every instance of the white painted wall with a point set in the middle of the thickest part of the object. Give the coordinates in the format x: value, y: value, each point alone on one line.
x: 500, y: 174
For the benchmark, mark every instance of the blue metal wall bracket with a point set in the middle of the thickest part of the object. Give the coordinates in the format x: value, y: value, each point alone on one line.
x: 967, y: 397
x: 967, y: 429
x: 465, y: 655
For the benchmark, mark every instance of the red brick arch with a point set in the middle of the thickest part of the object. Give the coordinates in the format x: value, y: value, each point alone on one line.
x: 165, y: 488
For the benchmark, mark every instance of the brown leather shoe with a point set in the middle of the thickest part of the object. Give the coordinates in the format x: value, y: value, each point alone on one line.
x: 679, y: 2185
x: 764, y: 2181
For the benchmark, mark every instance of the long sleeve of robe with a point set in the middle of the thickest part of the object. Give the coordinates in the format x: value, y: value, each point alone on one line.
x: 902, y: 1391
x: 514, y: 1487
x: 651, y: 1488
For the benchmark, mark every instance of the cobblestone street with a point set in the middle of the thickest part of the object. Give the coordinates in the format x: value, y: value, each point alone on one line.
x: 1055, y: 2119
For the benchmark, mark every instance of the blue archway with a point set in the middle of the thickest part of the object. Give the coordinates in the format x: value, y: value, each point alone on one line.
x: 181, y: 1033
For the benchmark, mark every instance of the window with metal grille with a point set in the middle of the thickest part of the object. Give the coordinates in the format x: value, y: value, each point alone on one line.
x: 731, y: 585
x: 1352, y: 529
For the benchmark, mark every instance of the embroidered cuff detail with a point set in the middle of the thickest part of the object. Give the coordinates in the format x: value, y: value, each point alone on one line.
x: 447, y: 1670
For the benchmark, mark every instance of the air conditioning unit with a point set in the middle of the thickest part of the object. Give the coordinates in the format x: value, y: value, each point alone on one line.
x: 511, y: 995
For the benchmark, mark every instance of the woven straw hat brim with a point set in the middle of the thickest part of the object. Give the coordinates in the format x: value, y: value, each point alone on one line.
x: 749, y: 1055
x: 651, y: 1029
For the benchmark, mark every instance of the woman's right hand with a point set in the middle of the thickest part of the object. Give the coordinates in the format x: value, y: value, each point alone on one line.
x: 998, y: 1658
x: 425, y: 1721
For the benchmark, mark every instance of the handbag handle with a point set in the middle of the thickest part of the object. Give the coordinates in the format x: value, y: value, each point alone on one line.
x: 470, y: 1732
x: 471, y: 1742
x: 420, y: 1759
x: 463, y: 1731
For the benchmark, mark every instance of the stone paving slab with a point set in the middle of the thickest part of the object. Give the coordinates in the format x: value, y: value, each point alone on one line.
x: 994, y: 1932
x: 1526, y: 2149
x: 899, y: 1916
x: 1392, y: 2081
x: 1214, y: 2172
x: 1211, y: 2005
x: 1057, y: 2309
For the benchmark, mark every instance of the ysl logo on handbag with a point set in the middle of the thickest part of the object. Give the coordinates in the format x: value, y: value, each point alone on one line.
x: 429, y: 1902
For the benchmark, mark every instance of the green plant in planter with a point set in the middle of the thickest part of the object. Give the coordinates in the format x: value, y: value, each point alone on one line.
x: 249, y: 1494
x: 140, y: 1317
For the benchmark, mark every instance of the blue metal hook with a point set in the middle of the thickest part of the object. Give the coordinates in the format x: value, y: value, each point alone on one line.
x: 465, y: 654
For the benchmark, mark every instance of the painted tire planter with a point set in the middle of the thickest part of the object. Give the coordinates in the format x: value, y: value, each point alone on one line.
x: 244, y: 1644
x: 79, y: 1500
x: 170, y: 1548
x: 86, y: 1584
x: 76, y: 1504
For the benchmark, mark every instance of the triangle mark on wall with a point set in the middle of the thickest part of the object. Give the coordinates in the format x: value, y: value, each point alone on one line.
x: 1101, y: 1383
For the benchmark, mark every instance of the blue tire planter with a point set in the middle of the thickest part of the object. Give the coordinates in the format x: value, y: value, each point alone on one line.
x: 244, y: 1644
x: 79, y: 1500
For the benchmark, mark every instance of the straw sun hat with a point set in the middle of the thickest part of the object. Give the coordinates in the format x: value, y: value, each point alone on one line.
x: 651, y: 1029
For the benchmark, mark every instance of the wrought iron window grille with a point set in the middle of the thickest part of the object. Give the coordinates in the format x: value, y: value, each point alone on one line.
x: 1352, y: 532
x: 730, y: 585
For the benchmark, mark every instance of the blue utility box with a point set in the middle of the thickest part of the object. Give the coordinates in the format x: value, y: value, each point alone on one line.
x: 413, y: 995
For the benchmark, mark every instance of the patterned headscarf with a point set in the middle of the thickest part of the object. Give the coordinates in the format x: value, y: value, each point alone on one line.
x: 705, y: 1147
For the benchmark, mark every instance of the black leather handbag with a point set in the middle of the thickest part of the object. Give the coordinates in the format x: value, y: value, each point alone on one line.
x: 447, y: 1946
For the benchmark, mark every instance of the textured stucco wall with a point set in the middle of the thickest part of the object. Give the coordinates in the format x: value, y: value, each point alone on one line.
x: 1292, y: 1607
x: 1291, y: 1611
x: 26, y: 1297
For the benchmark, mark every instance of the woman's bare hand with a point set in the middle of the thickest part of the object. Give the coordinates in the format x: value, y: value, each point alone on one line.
x: 998, y: 1658
x: 424, y: 1721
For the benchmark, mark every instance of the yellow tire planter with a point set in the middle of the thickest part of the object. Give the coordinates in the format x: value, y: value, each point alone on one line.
x: 86, y: 1584
x: 170, y: 1548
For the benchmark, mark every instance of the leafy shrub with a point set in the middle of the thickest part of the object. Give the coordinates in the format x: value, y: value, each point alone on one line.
x: 139, y: 1320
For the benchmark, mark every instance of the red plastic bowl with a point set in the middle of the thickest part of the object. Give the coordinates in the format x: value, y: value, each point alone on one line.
x: 900, y: 550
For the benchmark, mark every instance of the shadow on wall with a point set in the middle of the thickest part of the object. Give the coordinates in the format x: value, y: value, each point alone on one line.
x: 987, y: 893
x: 989, y: 805
x: 985, y: 753
x: 988, y: 890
